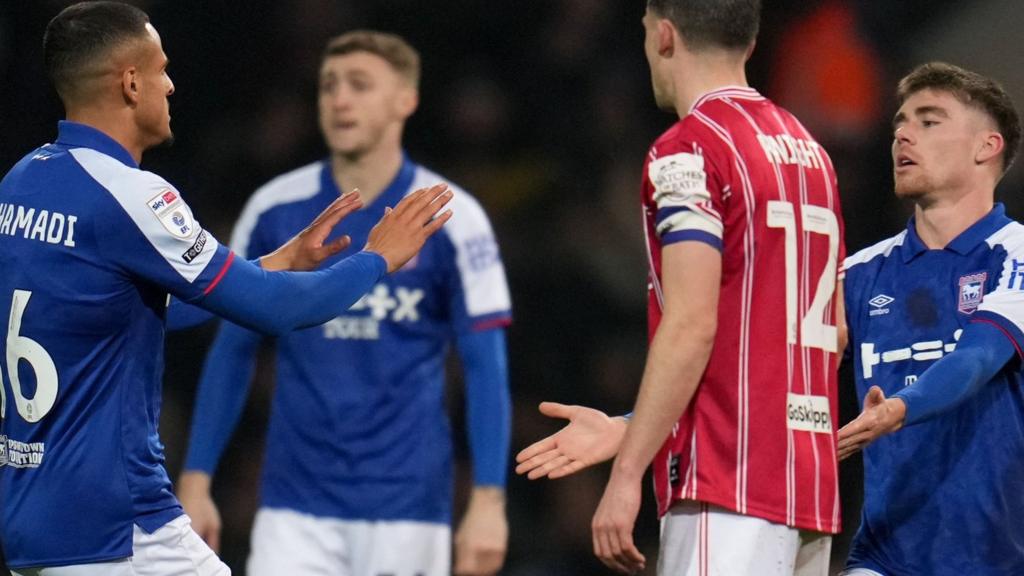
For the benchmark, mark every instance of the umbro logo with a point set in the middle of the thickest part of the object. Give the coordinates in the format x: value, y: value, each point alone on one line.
x: 879, y: 304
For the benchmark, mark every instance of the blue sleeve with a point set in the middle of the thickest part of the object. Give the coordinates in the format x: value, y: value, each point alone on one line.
x: 488, y: 403
x: 223, y: 389
x: 983, y: 350
x: 279, y: 302
x: 181, y: 315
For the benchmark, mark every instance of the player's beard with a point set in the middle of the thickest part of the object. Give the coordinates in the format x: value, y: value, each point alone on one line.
x: 912, y: 187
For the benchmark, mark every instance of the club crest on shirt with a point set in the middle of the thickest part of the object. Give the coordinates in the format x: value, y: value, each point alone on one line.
x: 172, y: 213
x: 971, y: 291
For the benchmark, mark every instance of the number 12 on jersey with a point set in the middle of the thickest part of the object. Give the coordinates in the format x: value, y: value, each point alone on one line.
x: 24, y: 348
x: 814, y: 332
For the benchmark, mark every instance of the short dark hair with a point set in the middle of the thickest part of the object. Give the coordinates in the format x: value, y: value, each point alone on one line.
x: 972, y: 89
x: 730, y: 24
x: 391, y: 47
x: 83, y: 34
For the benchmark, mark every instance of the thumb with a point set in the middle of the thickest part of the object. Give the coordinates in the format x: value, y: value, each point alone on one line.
x: 556, y: 410
x: 875, y: 397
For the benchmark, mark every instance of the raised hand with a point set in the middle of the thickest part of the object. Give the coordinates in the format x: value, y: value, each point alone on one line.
x: 306, y: 250
x: 194, y: 495
x: 402, y: 231
x: 591, y: 437
x: 880, y: 416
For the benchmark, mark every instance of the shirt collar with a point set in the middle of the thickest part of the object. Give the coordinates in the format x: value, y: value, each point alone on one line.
x: 391, y: 195
x: 963, y: 244
x: 741, y: 92
x: 75, y: 135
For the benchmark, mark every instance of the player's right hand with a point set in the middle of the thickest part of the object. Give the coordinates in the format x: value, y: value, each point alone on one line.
x: 402, y: 231
x: 194, y: 495
x: 591, y: 437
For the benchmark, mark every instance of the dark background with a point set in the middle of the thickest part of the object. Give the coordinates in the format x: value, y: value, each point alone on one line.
x: 543, y: 110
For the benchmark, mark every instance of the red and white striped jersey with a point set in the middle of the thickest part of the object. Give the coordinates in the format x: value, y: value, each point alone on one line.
x: 744, y: 175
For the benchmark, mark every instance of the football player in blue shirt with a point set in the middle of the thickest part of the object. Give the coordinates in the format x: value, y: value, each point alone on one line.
x: 90, y: 248
x: 935, y: 318
x: 358, y: 472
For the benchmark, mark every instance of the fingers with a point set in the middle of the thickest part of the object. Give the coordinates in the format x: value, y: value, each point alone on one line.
x: 338, y: 245
x: 538, y: 458
x: 556, y: 410
x: 437, y: 222
x: 569, y: 469
x: 555, y: 463
x: 534, y: 449
x: 213, y: 539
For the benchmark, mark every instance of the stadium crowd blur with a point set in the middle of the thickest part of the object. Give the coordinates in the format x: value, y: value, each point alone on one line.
x: 543, y: 110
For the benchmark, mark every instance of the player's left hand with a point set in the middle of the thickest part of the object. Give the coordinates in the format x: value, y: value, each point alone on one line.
x: 306, y: 250
x: 880, y: 416
x: 613, y: 525
x: 482, y: 539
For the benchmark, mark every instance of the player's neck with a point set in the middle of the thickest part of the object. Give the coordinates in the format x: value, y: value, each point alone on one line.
x: 120, y: 127
x: 707, y: 73
x: 939, y: 222
x: 370, y: 172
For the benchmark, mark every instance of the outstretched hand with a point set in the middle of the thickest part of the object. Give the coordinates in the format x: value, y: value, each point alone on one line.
x: 880, y: 416
x: 402, y: 231
x: 591, y: 437
x: 306, y: 250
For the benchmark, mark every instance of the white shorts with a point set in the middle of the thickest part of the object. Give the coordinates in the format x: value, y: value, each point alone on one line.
x: 173, y: 550
x: 700, y: 539
x: 859, y: 572
x: 288, y: 542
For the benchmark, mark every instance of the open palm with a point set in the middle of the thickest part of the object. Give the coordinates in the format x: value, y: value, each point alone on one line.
x: 590, y: 437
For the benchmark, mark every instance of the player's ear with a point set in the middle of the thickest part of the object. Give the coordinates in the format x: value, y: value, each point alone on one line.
x: 666, y: 38
x: 408, y: 101
x: 130, y: 85
x: 990, y: 146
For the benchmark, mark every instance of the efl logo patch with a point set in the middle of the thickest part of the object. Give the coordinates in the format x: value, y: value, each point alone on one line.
x: 173, y: 213
x: 971, y: 291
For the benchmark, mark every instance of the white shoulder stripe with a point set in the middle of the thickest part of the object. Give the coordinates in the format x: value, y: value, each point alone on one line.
x: 476, y: 251
x: 168, y: 226
x: 883, y: 248
x: 299, y: 184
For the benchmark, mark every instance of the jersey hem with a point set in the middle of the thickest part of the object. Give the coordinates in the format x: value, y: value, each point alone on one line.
x: 801, y: 523
x: 69, y: 562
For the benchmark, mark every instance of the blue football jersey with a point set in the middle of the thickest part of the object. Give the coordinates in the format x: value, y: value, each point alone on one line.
x: 90, y: 246
x: 358, y: 427
x: 942, y: 497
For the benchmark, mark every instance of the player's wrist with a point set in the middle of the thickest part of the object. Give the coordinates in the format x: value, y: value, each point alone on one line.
x: 194, y: 482
x: 487, y: 495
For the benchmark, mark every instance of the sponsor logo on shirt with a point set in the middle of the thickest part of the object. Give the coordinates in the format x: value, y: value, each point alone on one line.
x: 399, y: 305
x: 196, y: 249
x: 972, y: 290
x: 678, y: 178
x: 920, y: 351
x: 21, y: 454
x: 879, y: 303
x: 173, y: 213
x: 808, y: 413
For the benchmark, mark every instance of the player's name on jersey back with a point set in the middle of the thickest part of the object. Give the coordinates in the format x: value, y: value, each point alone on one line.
x: 785, y: 149
x: 43, y: 225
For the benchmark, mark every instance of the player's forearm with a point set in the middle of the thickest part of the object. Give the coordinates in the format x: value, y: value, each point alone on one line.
x: 279, y: 302
x: 982, y: 351
x: 678, y: 356
x: 488, y: 404
x: 223, y: 388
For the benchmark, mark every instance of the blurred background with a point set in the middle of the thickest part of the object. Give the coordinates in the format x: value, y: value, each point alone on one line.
x: 543, y: 110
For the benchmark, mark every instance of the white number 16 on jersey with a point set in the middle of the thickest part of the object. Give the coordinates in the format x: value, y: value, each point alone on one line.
x: 23, y: 348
